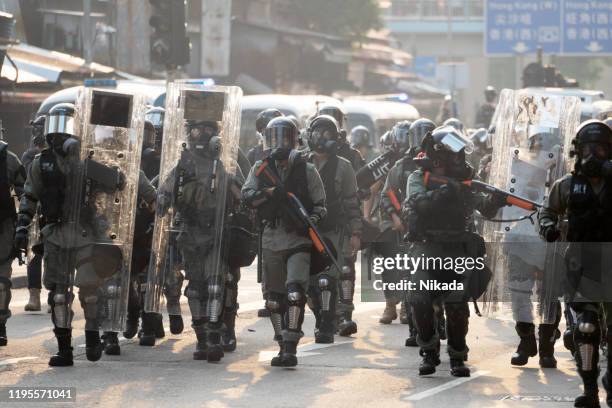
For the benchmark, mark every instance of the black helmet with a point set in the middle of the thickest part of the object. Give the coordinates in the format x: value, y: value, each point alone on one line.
x: 60, y: 131
x: 156, y: 116
x: 323, y: 134
x: 264, y: 117
x: 386, y: 141
x: 280, y: 137
x: 446, y: 147
x: 149, y: 134
x: 593, y: 131
x: 360, y: 137
x: 60, y: 120
x: 490, y: 93
x: 419, y: 129
x: 38, y: 130
x: 400, y: 135
x: 335, y: 111
x: 454, y: 122
x: 592, y: 146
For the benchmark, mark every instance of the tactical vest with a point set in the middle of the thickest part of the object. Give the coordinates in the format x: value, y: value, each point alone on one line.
x: 53, y: 187
x: 7, y: 205
x: 296, y: 183
x: 406, y: 166
x: 589, y: 215
x: 193, y: 196
x: 335, y: 213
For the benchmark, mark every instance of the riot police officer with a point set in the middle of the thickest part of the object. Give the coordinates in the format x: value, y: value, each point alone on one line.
x: 286, y: 248
x: 395, y: 189
x: 585, y: 198
x: 12, y: 177
x: 344, y: 149
x: 342, y: 225
x: 37, y: 144
x: 486, y: 111
x: 77, y: 232
x: 438, y: 225
x: 360, y: 140
x: 262, y: 120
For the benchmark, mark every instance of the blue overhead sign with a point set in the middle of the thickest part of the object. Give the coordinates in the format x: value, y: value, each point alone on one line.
x: 587, y: 27
x: 574, y: 27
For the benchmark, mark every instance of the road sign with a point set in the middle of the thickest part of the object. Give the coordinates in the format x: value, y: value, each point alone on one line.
x: 521, y: 26
x: 425, y: 66
x: 572, y: 27
x: 587, y: 27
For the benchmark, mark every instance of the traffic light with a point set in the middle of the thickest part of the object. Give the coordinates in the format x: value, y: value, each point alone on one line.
x: 169, y: 43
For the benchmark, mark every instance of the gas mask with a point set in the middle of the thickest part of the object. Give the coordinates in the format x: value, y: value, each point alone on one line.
x: 64, y: 145
x: 592, y: 158
x: 203, y: 141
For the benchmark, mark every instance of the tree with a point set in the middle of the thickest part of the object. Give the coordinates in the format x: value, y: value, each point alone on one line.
x: 353, y: 18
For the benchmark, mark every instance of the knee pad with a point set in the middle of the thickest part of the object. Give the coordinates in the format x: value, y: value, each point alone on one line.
x: 587, y: 336
x: 194, y: 299
x: 60, y: 308
x: 326, y: 286
x: 275, y: 307
x: 347, y: 278
x: 215, y: 296
x: 295, y: 302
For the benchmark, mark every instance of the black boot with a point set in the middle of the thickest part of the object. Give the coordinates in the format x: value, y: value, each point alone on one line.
x: 176, y: 324
x: 324, y: 334
x: 228, y: 337
x: 147, y: 338
x: 590, y: 396
x: 131, y: 327
x: 3, y: 338
x: 111, y: 344
x: 276, y: 360
x: 289, y: 354
x: 158, y: 325
x: 214, y: 351
x: 347, y: 326
x: 63, y: 358
x: 412, y: 340
x: 458, y: 368
x: 527, y: 347
x: 547, y: 335
x: 200, y: 331
x: 93, y: 345
x: 431, y: 359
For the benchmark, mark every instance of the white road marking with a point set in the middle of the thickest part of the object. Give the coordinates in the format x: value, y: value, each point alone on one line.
x: 16, y: 360
x: 440, y: 388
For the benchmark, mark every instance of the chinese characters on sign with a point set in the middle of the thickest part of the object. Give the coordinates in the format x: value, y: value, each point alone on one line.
x: 558, y: 26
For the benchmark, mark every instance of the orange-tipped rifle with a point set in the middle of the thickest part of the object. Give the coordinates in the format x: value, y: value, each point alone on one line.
x: 298, y: 210
x: 433, y: 181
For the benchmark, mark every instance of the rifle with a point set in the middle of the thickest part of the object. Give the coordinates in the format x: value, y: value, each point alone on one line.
x: 298, y: 209
x: 434, y: 181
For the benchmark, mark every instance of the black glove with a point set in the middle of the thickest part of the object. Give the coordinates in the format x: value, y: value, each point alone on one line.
x: 279, y: 194
x: 449, y: 191
x: 21, y: 238
x: 550, y: 233
x: 499, y: 200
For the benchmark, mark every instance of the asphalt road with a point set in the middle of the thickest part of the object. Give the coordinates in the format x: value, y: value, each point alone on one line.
x: 371, y: 369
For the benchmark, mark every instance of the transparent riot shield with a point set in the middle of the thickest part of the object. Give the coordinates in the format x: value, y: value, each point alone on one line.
x: 113, y: 127
x: 529, y: 148
x: 196, y: 173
